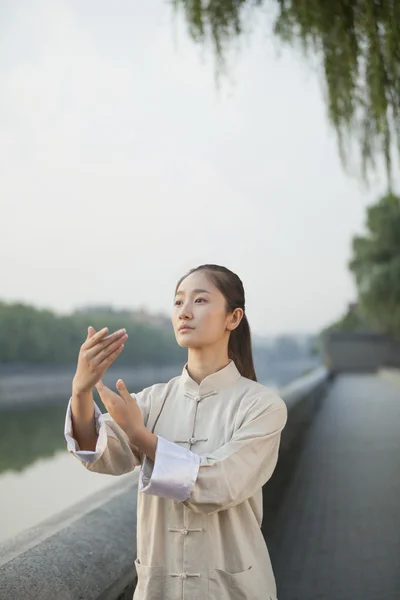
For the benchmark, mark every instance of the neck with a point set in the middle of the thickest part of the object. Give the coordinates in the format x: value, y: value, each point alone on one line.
x: 206, y: 361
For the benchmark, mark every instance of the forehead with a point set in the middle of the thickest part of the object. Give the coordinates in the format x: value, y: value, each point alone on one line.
x: 197, y: 280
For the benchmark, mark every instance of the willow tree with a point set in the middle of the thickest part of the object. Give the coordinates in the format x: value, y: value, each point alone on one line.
x: 358, y: 44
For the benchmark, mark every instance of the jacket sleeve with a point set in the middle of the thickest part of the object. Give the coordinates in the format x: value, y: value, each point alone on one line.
x: 113, y: 455
x: 217, y: 481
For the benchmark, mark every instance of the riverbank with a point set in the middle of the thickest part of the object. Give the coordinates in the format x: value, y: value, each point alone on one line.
x: 30, y: 385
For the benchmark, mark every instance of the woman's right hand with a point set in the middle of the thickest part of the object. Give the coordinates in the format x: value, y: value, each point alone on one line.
x: 96, y: 354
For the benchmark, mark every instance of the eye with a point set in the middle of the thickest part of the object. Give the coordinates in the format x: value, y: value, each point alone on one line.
x: 200, y: 299
x: 177, y: 302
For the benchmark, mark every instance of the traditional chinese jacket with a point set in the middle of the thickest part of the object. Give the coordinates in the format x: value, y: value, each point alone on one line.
x: 200, y: 502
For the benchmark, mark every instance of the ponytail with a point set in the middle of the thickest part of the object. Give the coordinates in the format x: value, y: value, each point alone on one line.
x: 240, y: 351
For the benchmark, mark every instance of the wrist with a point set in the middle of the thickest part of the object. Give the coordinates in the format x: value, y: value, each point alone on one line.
x: 145, y: 441
x: 139, y: 437
x: 80, y: 393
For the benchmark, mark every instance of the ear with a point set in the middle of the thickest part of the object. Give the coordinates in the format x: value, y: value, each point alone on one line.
x: 235, y: 319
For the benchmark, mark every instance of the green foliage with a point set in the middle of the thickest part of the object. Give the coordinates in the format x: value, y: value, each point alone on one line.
x: 30, y: 335
x: 352, y: 320
x: 358, y: 43
x: 376, y: 265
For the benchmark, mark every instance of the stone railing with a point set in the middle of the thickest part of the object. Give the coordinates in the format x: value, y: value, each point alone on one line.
x: 88, y: 551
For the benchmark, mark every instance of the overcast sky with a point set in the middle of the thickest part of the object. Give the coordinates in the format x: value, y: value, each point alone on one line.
x: 122, y: 166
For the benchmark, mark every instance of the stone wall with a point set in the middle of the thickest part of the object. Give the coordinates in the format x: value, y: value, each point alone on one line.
x: 357, y: 351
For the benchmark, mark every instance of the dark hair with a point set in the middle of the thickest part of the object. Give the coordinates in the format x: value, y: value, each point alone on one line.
x: 231, y: 286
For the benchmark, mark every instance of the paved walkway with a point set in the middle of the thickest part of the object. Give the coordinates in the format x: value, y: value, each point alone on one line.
x: 339, y: 523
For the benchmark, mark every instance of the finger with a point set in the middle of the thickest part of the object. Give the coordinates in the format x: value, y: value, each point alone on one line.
x: 91, y: 332
x: 106, y: 342
x: 123, y: 392
x: 105, y: 394
x: 100, y: 386
x: 96, y: 337
x: 100, y: 352
x: 104, y: 364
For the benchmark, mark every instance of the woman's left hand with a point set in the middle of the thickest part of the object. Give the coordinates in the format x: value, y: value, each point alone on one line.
x: 123, y: 408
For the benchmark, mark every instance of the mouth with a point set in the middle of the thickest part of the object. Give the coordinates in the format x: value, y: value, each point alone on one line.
x: 185, y: 328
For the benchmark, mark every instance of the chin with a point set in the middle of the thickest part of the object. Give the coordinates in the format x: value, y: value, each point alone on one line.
x: 187, y: 340
x: 184, y: 343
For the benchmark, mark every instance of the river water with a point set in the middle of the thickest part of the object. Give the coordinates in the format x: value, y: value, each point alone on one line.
x: 38, y: 477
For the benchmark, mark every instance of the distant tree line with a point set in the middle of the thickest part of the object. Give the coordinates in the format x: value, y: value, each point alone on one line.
x: 375, y: 265
x: 32, y: 335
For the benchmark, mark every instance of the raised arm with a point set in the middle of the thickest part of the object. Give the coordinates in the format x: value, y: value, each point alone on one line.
x: 95, y: 439
x: 96, y: 354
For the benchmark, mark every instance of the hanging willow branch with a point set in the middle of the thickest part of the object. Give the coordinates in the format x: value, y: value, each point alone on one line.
x: 358, y: 42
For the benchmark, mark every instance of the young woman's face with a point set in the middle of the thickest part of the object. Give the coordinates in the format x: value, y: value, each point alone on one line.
x: 199, y: 315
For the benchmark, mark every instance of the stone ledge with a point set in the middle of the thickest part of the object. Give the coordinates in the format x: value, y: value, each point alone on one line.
x: 80, y: 554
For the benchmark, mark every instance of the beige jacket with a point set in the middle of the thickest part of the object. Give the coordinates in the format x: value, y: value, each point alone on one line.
x: 200, y: 503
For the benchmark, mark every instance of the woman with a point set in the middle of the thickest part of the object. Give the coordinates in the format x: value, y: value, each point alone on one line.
x: 206, y: 441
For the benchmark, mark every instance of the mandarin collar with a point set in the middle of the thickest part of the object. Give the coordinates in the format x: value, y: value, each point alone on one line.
x: 212, y: 383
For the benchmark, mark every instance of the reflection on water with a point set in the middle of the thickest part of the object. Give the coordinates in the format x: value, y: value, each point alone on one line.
x: 29, y: 434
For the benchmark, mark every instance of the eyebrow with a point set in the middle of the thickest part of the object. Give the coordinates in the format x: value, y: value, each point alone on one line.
x: 197, y: 291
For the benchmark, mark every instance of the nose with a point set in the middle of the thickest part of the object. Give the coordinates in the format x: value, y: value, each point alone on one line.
x: 185, y: 312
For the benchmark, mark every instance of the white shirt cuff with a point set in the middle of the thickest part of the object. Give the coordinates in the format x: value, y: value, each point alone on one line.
x: 173, y: 474
x: 89, y: 456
